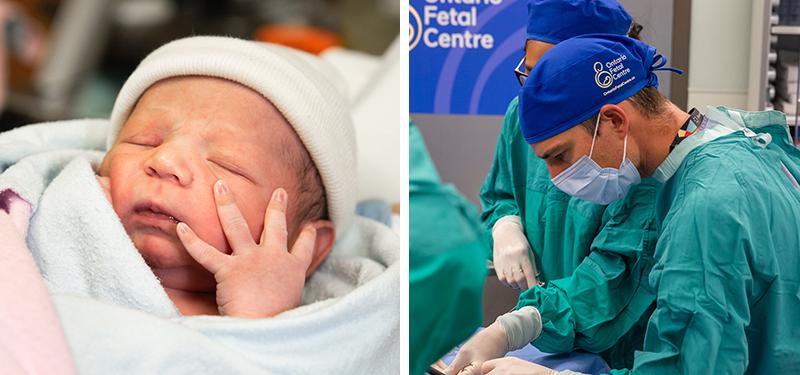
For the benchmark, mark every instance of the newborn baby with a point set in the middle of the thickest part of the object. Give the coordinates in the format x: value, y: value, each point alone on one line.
x: 216, y: 188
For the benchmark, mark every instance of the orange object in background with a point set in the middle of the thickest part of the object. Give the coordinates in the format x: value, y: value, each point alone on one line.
x: 21, y: 68
x: 307, y: 38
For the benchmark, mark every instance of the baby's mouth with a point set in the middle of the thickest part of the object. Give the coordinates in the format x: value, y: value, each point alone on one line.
x: 155, y: 211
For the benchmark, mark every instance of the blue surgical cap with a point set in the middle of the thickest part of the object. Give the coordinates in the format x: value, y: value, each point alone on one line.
x: 574, y: 79
x: 553, y: 21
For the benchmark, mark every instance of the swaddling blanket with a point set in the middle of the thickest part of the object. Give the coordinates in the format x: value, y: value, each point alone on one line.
x: 117, y: 317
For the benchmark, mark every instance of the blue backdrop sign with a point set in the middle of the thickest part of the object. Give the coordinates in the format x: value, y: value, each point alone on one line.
x: 463, y: 53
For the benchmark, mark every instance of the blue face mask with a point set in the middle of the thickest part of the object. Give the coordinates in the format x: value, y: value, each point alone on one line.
x: 588, y: 181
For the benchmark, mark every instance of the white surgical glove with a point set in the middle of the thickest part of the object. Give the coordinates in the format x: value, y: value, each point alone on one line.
x: 511, y: 331
x: 512, y: 254
x: 487, y: 344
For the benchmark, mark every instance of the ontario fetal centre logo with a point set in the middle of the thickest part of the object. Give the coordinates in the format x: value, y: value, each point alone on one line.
x: 446, y: 24
x: 414, y: 27
x: 613, y: 71
x: 603, y: 78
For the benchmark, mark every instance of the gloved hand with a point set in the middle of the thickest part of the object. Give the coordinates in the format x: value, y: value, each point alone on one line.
x: 512, y: 254
x: 487, y: 344
x: 511, y: 331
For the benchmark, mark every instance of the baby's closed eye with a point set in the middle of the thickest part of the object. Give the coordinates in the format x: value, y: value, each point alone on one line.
x: 231, y: 168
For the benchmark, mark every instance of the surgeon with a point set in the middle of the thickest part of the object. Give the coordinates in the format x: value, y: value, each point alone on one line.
x: 594, y: 258
x: 727, y: 272
x: 447, y: 265
x: 538, y: 232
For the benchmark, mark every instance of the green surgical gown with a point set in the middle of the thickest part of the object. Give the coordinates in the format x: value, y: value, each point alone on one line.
x: 604, y: 305
x: 727, y: 270
x: 595, y: 259
x: 447, y: 263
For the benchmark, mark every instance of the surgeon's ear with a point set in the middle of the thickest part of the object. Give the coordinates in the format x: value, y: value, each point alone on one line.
x: 326, y: 236
x: 616, y: 115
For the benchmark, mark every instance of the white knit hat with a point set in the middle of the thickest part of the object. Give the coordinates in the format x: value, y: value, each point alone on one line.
x: 296, y: 83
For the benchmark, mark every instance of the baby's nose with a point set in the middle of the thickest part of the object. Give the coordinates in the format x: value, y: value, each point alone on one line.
x: 169, y: 165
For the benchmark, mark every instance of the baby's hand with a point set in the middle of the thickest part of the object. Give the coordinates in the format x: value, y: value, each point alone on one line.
x: 256, y: 280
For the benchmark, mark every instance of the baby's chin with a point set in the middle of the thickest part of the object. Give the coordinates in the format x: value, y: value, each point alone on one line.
x: 160, y: 250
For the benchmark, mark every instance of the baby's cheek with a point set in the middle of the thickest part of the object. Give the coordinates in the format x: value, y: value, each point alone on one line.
x: 210, y: 230
x: 255, y: 220
x: 120, y: 191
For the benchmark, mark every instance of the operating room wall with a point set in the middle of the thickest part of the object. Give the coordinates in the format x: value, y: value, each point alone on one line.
x: 719, y: 53
x: 462, y: 146
x: 656, y: 18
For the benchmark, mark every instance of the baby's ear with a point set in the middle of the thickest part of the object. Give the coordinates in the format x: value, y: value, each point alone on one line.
x: 326, y: 236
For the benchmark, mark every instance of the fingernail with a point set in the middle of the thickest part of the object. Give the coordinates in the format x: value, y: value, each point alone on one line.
x: 183, y: 228
x: 280, y: 195
x: 222, y: 189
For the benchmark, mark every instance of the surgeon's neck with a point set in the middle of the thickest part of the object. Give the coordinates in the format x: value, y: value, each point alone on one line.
x: 669, y: 123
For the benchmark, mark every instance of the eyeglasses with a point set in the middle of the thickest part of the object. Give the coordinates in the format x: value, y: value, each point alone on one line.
x: 521, y: 72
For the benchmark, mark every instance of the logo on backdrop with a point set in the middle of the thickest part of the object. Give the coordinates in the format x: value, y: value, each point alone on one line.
x: 462, y: 55
x: 448, y: 26
x: 414, y: 28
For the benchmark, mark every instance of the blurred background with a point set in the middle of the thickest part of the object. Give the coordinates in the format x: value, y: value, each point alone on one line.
x: 68, y: 58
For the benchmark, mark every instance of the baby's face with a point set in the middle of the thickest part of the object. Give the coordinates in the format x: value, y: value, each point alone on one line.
x: 183, y: 135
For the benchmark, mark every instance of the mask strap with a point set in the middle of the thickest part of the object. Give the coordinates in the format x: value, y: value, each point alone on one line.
x: 596, y: 125
x: 594, y: 137
x: 625, y: 147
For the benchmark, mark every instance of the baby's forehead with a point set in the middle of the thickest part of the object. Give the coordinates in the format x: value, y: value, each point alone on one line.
x: 212, y: 102
x: 221, y: 110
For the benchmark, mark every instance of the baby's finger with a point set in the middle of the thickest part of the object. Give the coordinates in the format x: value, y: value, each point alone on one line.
x: 233, y: 224
x: 205, y: 254
x: 275, y: 220
x: 303, y: 247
